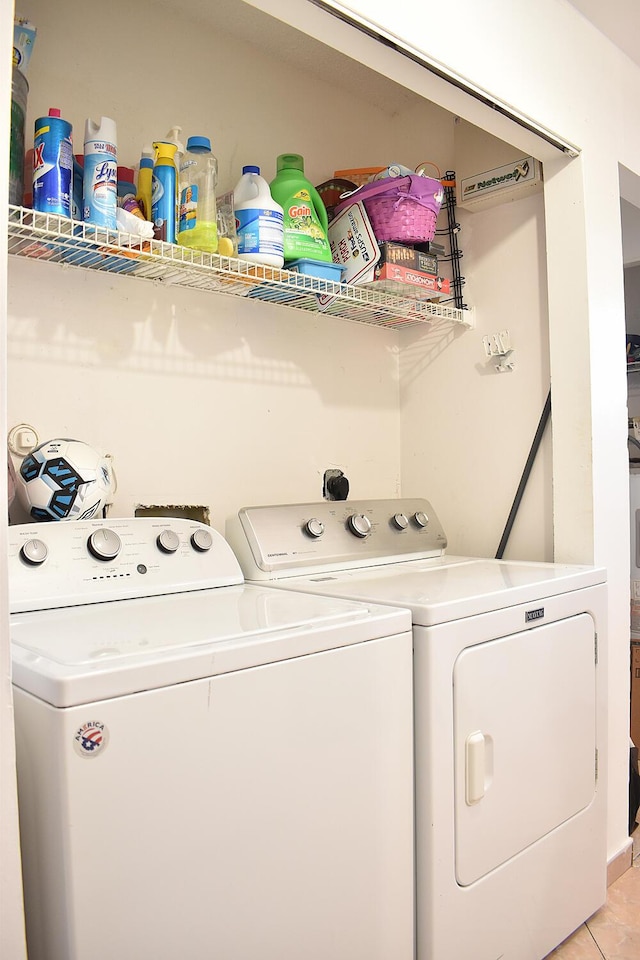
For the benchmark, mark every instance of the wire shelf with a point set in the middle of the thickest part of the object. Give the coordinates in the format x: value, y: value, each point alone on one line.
x: 43, y: 236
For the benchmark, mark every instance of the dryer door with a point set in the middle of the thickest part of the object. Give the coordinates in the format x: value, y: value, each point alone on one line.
x: 524, y: 723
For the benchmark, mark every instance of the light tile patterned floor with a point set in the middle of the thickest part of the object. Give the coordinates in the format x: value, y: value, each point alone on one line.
x: 613, y: 933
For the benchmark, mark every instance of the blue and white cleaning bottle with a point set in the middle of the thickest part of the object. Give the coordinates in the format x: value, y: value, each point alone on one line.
x: 259, y: 220
x: 100, y: 181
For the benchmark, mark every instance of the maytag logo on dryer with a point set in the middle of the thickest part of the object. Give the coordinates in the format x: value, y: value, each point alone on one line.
x: 537, y: 614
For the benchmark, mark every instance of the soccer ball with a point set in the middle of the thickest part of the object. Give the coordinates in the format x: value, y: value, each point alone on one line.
x: 64, y: 480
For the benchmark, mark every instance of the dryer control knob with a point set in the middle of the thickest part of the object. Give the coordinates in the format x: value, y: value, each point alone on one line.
x: 314, y: 528
x: 104, y: 544
x: 400, y: 521
x: 359, y: 525
x: 168, y: 541
x: 34, y: 552
x: 201, y: 541
x: 421, y: 518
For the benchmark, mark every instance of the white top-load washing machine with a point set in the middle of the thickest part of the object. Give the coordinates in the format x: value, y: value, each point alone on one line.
x: 206, y: 769
x: 510, y: 734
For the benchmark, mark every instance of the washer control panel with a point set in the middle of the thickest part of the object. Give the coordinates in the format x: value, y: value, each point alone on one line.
x: 88, y: 561
x: 286, y: 540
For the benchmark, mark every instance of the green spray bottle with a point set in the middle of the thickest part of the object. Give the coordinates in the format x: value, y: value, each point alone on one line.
x: 305, y: 215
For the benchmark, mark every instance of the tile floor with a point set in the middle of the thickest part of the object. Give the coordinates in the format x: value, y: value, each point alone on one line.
x: 613, y: 933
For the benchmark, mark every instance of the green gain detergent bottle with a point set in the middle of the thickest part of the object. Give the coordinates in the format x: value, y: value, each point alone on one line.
x: 305, y: 215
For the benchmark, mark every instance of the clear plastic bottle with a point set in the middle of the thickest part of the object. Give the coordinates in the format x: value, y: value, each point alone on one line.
x: 259, y: 220
x: 197, y: 223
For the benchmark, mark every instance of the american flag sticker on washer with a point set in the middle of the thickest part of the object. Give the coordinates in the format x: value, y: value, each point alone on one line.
x: 91, y: 739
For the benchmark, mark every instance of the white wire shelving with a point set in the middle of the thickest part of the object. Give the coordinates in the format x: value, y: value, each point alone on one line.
x: 43, y: 236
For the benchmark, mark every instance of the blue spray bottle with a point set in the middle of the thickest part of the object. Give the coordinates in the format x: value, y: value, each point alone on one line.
x: 53, y: 165
x: 163, y: 192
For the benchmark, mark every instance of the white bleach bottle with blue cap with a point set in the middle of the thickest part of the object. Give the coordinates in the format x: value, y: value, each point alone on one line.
x: 259, y: 220
x: 100, y: 180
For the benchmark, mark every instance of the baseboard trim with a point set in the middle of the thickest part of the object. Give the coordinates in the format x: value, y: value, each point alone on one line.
x: 620, y: 863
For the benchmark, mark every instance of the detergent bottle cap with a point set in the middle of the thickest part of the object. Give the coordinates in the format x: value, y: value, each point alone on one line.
x: 145, y: 162
x: 54, y: 112
x: 251, y: 169
x: 126, y: 174
x: 199, y: 144
x: 165, y: 151
x: 290, y: 161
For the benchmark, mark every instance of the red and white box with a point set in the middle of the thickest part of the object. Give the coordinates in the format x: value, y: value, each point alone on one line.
x: 397, y: 279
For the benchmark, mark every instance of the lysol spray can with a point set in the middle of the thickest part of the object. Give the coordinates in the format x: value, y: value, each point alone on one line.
x: 52, y: 165
x: 100, y: 180
x: 163, y: 192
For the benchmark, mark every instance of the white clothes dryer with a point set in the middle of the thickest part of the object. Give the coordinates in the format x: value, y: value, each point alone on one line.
x: 510, y: 721
x: 206, y: 769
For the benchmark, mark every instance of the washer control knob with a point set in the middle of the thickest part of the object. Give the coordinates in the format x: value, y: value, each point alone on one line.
x: 399, y: 521
x: 314, y: 528
x: 421, y: 518
x: 359, y: 525
x: 34, y: 552
x: 104, y: 544
x: 168, y: 541
x: 201, y: 541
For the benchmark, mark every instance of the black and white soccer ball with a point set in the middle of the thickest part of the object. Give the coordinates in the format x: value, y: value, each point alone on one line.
x: 64, y: 480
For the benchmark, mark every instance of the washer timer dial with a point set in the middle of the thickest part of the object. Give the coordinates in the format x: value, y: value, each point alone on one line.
x: 104, y: 544
x: 421, y: 519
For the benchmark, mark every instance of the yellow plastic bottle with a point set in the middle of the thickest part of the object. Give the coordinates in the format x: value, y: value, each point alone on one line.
x: 143, y: 187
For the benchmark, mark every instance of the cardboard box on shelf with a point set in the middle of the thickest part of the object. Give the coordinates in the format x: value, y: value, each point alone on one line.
x: 391, y: 252
x: 399, y: 280
x: 635, y: 693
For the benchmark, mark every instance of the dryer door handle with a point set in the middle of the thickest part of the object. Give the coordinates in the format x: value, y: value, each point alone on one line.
x: 476, y: 767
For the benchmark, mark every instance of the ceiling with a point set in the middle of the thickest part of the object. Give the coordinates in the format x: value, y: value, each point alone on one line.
x: 619, y: 20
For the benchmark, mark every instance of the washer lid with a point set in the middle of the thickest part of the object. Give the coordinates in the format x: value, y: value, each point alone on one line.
x: 84, y: 653
x: 449, y: 588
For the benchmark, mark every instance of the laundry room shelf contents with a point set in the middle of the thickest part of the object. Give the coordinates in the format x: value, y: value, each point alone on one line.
x: 42, y: 236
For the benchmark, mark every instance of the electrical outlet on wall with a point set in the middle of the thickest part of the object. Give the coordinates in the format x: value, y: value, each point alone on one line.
x: 335, y: 486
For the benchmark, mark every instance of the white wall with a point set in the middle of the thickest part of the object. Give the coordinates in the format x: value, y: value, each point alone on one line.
x: 202, y: 400
x: 477, y: 423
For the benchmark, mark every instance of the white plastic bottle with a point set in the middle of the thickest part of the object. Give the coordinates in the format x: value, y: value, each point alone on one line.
x: 197, y: 217
x: 259, y: 220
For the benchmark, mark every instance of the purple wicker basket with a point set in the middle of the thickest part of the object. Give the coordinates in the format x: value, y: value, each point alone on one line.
x: 404, y: 209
